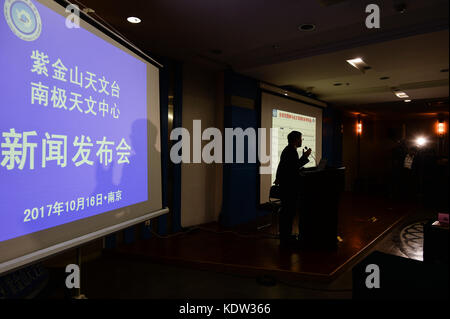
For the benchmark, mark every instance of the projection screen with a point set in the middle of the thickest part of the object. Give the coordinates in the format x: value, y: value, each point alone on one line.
x: 285, y: 115
x: 79, y: 124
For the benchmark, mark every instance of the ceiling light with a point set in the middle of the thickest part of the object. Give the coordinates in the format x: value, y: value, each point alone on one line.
x: 355, y: 62
x: 307, y: 27
x: 133, y: 20
x: 407, y: 101
x: 359, y: 64
x: 401, y: 94
x: 441, y: 127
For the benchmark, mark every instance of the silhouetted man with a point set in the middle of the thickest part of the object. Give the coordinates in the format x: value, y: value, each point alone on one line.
x: 287, y: 177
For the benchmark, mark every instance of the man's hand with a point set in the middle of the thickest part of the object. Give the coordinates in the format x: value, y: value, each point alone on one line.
x: 307, y: 153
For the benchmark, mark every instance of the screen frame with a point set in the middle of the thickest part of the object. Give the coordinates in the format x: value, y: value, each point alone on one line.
x: 45, y: 243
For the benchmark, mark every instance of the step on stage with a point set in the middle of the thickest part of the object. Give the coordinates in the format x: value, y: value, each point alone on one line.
x: 245, y: 250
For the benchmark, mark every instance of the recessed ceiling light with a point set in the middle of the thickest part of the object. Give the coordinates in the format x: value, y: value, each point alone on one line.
x: 407, y: 101
x: 355, y: 62
x: 401, y: 95
x: 359, y: 64
x: 133, y: 20
x: 306, y: 27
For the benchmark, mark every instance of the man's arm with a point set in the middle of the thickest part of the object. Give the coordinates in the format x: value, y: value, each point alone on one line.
x: 304, y: 159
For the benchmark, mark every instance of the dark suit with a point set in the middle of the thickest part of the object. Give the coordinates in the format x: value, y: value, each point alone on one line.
x: 288, y: 173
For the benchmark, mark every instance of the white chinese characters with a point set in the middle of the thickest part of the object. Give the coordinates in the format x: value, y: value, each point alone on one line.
x: 18, y: 150
x: 15, y: 149
x: 87, y: 104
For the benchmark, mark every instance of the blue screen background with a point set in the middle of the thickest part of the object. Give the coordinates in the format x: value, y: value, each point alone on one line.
x: 40, y: 188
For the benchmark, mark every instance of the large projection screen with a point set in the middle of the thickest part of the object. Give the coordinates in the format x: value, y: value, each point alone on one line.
x: 79, y: 134
x: 284, y: 115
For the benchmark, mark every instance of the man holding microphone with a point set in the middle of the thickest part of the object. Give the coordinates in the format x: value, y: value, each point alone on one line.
x: 287, y: 178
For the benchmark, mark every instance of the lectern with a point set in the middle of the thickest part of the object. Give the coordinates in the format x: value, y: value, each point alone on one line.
x: 320, y: 192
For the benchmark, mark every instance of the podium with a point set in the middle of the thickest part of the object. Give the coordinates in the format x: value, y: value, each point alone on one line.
x: 320, y: 192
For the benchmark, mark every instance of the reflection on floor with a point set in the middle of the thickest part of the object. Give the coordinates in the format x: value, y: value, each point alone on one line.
x: 411, y: 238
x: 406, y: 240
x: 116, y: 276
x: 245, y: 251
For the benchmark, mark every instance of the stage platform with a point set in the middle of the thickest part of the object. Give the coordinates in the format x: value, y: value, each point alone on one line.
x: 245, y: 250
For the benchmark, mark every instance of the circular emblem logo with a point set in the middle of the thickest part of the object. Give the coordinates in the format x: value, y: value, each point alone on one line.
x: 23, y: 19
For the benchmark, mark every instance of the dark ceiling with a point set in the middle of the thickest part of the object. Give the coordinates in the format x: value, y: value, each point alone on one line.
x: 255, y: 37
x: 250, y: 33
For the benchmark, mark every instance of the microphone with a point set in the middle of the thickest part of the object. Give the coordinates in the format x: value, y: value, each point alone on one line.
x: 315, y: 161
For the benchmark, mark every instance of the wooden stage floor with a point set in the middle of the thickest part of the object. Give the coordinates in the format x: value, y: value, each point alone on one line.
x: 245, y: 250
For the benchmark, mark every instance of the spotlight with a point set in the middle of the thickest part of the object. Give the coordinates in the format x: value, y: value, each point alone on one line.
x: 421, y: 141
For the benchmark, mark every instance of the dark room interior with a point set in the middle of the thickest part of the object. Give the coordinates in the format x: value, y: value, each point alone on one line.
x: 224, y: 150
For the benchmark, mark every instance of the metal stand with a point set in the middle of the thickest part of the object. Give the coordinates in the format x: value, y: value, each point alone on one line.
x: 261, y: 227
x: 78, y: 294
x: 275, y: 206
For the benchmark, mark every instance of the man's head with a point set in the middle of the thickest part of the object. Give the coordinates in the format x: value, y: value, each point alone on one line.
x: 295, y: 138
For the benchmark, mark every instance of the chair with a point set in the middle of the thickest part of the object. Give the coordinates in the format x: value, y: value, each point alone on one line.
x: 275, y: 204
